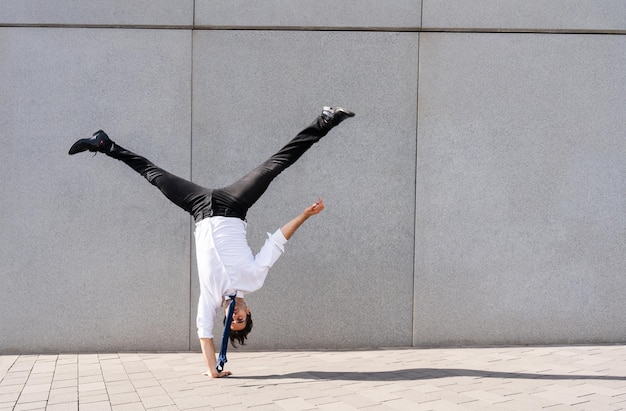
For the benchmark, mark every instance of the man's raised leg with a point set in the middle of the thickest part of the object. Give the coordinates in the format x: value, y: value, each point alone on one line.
x: 185, y: 194
x: 247, y: 190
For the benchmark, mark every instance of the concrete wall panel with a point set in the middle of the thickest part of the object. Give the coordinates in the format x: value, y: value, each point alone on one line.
x: 512, y: 230
x: 303, y: 13
x: 94, y: 12
x: 346, y: 272
x: 521, y: 214
x: 527, y: 15
x: 93, y: 258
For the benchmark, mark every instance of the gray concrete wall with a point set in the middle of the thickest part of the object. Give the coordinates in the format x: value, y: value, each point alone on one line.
x: 306, y: 14
x: 603, y: 16
x: 477, y: 197
x: 91, y: 258
x: 521, y: 184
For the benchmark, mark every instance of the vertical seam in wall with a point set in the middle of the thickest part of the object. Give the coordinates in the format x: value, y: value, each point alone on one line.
x: 190, y: 271
x: 415, y: 171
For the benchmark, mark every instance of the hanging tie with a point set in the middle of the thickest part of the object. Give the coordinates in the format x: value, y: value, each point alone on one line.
x: 221, y: 359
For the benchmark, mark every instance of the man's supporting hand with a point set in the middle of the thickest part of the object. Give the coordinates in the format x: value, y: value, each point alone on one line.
x: 208, y: 352
x: 215, y: 374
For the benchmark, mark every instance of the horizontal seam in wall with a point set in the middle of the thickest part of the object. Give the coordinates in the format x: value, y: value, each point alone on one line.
x: 300, y: 28
x: 522, y: 31
x: 97, y: 26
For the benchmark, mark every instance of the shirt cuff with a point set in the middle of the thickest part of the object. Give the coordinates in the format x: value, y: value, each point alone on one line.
x: 279, y: 239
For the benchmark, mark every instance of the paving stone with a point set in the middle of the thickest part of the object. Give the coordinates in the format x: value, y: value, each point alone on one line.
x: 295, y: 404
x: 85, y: 370
x: 33, y: 397
x: 319, y: 401
x: 266, y: 407
x: 157, y: 401
x: 136, y: 406
x: 38, y: 405
x: 119, y: 387
x: 92, y: 386
x: 63, y: 395
x: 335, y: 406
x: 150, y: 391
x: 91, y: 378
x: 192, y: 402
x: 95, y: 397
x: 116, y: 377
x: 66, y: 406
x: 164, y: 408
x: 146, y: 382
x: 125, y: 398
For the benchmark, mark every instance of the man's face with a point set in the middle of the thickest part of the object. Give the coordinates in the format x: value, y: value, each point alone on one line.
x: 239, y: 315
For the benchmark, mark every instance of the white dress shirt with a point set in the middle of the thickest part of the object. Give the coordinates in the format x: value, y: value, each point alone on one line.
x: 226, y: 265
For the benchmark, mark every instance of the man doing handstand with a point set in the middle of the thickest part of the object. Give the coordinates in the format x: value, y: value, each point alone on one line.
x: 226, y: 266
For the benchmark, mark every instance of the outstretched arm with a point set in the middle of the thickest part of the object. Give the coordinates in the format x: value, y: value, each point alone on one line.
x: 291, y: 227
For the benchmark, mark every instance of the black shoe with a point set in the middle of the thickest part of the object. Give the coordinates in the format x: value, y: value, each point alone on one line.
x: 100, y: 142
x: 336, y: 115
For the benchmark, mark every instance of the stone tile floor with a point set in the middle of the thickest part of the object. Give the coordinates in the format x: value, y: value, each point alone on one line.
x: 499, y: 378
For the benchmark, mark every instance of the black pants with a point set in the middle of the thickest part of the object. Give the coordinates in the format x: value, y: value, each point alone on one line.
x: 230, y: 201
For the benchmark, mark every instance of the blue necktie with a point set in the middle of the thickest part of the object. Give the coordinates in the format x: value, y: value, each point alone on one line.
x: 221, y: 359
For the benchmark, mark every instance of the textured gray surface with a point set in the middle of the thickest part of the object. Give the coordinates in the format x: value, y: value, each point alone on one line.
x: 92, y: 257
x: 521, y: 217
x: 311, y: 14
x: 94, y: 12
x: 253, y: 91
x: 493, y: 213
x: 512, y: 15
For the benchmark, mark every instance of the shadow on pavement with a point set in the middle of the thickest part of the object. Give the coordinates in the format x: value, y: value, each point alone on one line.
x: 425, y: 374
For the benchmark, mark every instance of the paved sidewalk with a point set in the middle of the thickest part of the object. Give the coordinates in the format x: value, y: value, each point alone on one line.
x: 503, y: 378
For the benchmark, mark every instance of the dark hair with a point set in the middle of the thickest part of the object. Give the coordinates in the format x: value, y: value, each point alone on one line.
x: 242, y: 335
